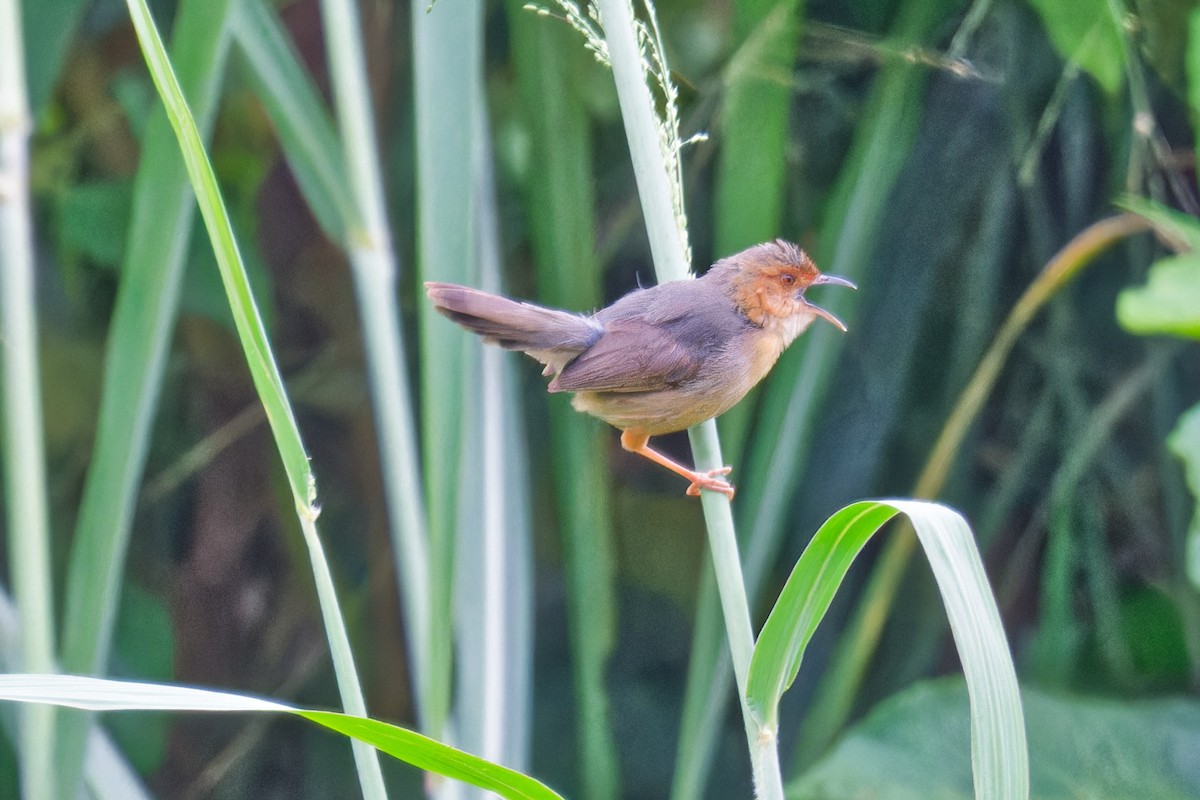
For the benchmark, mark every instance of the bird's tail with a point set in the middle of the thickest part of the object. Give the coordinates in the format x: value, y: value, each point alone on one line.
x: 547, y: 334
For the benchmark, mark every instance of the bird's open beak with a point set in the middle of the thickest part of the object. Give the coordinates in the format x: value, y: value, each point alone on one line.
x: 835, y: 280
x: 820, y: 312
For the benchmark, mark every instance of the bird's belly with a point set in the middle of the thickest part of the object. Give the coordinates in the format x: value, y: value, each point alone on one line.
x: 723, y: 381
x: 659, y: 411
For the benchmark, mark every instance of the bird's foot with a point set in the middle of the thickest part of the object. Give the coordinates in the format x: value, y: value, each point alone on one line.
x: 712, y: 480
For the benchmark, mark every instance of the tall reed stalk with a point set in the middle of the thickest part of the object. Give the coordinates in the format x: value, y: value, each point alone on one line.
x: 666, y: 227
x: 24, y: 447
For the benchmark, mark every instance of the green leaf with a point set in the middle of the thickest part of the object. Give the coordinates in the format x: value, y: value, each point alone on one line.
x: 294, y: 104
x: 1184, y: 442
x: 1192, y: 64
x: 94, y: 219
x: 754, y: 124
x: 48, y: 28
x: 912, y: 747
x: 997, y: 729
x: 1085, y: 32
x: 99, y: 694
x: 1169, y: 303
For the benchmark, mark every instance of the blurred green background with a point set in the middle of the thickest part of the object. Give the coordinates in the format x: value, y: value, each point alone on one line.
x: 937, y: 152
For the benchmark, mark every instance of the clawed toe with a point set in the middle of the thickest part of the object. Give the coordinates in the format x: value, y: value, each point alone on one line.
x: 713, y: 481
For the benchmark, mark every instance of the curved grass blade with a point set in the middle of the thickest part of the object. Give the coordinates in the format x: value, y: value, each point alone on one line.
x: 998, y: 748
x: 100, y: 694
x: 263, y: 369
x: 245, y: 312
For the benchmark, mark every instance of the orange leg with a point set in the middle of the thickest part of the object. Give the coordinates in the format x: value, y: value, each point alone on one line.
x: 637, y: 442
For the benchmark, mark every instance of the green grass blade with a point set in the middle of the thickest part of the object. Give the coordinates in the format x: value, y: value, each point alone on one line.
x: 263, y: 368
x: 493, y: 592
x: 248, y: 321
x: 300, y: 117
x: 138, y: 343
x: 27, y: 513
x: 48, y: 34
x: 1184, y: 444
x: 754, y: 124
x: 447, y: 70
x: 803, y: 602
x: 98, y: 694
x: 561, y: 208
x: 752, y: 165
x: 998, y: 748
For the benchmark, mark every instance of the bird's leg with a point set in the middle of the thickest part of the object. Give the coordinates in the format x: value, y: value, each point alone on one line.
x: 637, y: 442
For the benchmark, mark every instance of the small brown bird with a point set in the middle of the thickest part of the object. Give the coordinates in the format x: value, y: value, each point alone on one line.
x: 665, y: 358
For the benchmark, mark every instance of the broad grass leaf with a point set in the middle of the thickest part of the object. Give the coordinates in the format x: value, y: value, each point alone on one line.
x: 100, y: 694
x: 997, y: 732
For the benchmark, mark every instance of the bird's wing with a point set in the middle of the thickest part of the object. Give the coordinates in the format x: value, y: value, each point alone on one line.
x: 631, y: 356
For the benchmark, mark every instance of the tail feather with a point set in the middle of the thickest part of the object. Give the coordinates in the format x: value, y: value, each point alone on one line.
x: 549, y: 335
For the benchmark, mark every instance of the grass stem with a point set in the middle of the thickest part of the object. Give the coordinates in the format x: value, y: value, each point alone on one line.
x: 24, y: 445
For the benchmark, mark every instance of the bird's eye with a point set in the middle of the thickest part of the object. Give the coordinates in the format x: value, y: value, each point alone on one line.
x: 787, y: 279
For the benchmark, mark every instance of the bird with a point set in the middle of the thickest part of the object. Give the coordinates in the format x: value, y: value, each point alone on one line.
x: 663, y: 358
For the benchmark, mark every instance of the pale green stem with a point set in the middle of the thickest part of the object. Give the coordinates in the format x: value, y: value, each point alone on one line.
x: 654, y: 186
x: 369, y: 244
x: 366, y: 757
x: 24, y: 448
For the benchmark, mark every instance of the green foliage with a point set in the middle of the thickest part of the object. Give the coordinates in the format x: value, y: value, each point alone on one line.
x: 1185, y: 444
x: 914, y: 746
x: 1087, y: 33
x: 94, y: 219
x: 1169, y: 303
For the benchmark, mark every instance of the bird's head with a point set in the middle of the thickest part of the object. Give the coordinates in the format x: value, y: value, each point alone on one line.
x: 767, y: 283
